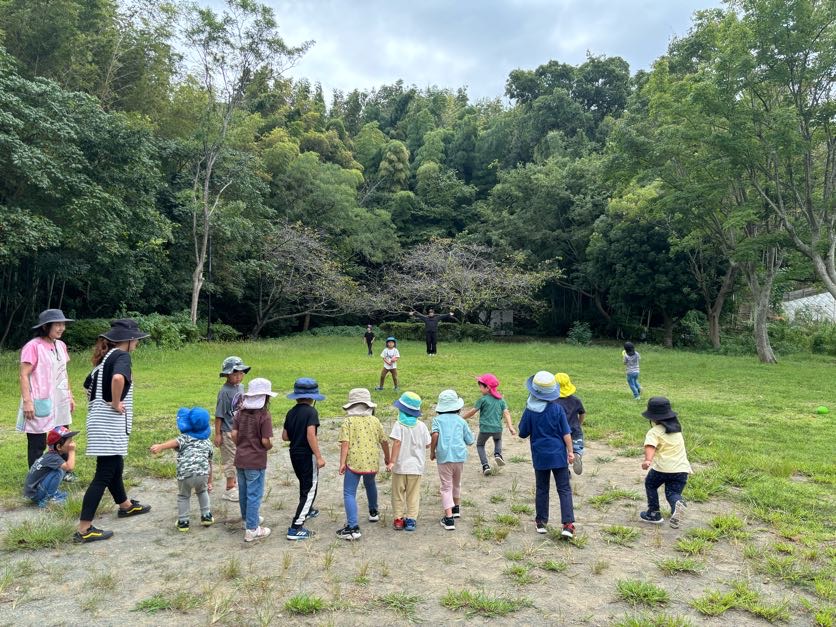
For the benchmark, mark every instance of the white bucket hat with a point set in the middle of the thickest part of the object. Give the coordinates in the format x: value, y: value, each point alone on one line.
x: 257, y: 392
x: 448, y: 401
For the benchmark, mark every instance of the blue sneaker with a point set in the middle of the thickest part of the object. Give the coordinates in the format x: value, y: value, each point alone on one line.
x: 312, y: 514
x: 409, y: 524
x: 298, y: 533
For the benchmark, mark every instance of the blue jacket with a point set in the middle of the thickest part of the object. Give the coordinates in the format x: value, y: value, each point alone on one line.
x: 546, y: 431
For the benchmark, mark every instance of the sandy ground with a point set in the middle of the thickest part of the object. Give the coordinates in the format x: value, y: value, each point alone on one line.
x: 230, y: 582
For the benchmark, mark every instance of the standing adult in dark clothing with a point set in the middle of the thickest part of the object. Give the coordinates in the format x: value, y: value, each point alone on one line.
x: 368, y: 336
x: 431, y: 327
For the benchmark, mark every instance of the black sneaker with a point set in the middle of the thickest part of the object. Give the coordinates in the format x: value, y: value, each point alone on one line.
x: 207, y: 520
x: 541, y: 526
x: 457, y: 511
x: 374, y: 515
x: 654, y: 518
x: 183, y: 525
x: 486, y: 469
x: 349, y: 533
x: 312, y: 514
x: 448, y: 523
x: 92, y: 535
x: 135, y: 509
x: 499, y: 459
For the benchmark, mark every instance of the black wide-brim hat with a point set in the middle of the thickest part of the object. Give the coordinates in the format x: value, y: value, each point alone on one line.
x: 48, y: 316
x: 659, y: 408
x: 124, y: 330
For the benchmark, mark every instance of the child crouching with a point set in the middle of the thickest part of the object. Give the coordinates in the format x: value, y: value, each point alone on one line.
x: 194, y: 464
x: 47, y: 472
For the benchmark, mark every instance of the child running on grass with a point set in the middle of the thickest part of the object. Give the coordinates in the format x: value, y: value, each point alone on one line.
x: 390, y: 356
x: 252, y: 433
x: 410, y: 439
x: 47, y: 472
x: 665, y: 456
x: 360, y: 437
x: 575, y: 414
x: 451, y: 436
x: 631, y: 358
x: 492, y: 410
x: 544, y: 423
x: 194, y: 464
x: 233, y: 369
x: 300, y: 429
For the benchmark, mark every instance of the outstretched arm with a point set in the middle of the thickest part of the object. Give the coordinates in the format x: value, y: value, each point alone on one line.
x: 157, y: 448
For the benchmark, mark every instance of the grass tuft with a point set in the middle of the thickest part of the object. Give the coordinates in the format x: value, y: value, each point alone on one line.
x: 676, y: 565
x: 179, y: 602
x: 403, y: 604
x: 522, y: 508
x: 611, y: 495
x: 693, y: 546
x: 618, y: 534
x: 482, y: 604
x: 637, y: 592
x: 554, y: 566
x: 41, y: 532
x: 653, y: 620
x: 304, y: 604
x: 520, y: 574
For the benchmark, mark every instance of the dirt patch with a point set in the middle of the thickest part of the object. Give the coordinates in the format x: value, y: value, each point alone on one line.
x: 211, y: 576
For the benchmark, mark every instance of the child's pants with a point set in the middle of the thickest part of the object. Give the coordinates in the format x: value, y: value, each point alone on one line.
x: 200, y: 485
x: 482, y: 439
x: 564, y: 492
x: 228, y: 454
x: 577, y: 442
x: 406, y: 495
x: 250, y: 492
x: 385, y: 371
x: 674, y: 483
x: 307, y: 472
x: 48, y: 488
x: 451, y: 483
x: 350, y: 482
x: 633, y: 382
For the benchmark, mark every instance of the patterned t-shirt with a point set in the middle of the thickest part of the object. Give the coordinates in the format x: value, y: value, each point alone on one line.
x: 192, y: 457
x: 364, y: 435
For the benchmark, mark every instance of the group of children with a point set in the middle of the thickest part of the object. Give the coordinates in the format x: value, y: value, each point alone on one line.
x: 552, y: 421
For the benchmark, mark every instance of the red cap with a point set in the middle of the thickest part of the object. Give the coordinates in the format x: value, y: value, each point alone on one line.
x: 57, y: 434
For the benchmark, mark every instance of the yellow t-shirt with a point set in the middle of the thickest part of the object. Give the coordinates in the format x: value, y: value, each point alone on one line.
x: 364, y: 435
x: 670, y: 450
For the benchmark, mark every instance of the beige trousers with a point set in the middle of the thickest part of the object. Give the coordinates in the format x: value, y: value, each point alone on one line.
x: 406, y: 495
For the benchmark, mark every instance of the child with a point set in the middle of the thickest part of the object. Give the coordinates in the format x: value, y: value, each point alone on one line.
x: 492, y: 409
x: 360, y: 436
x: 544, y: 421
x: 575, y: 414
x: 233, y: 369
x: 631, y: 363
x: 665, y: 455
x: 47, y: 472
x: 410, y: 439
x: 252, y: 433
x: 368, y: 337
x: 390, y: 356
x: 194, y: 464
x: 300, y: 427
x: 451, y: 436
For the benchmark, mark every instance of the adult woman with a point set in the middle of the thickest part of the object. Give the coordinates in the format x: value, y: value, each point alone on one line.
x: 46, y: 399
x: 109, y: 421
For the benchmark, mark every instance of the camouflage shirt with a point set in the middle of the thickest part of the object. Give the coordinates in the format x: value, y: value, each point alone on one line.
x: 192, y: 457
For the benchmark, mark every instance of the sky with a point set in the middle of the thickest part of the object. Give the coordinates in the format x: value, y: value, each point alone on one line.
x: 473, y: 43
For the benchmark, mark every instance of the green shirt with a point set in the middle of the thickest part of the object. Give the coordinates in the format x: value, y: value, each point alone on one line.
x: 490, y: 413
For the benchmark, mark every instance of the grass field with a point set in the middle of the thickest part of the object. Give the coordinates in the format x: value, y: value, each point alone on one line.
x: 751, y: 429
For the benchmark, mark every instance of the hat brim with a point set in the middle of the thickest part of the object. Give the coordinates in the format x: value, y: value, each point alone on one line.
x: 270, y: 394
x: 445, y: 409
x: 244, y: 370
x: 316, y: 397
x: 543, y: 396
x: 38, y: 326
x: 366, y: 403
x: 667, y: 416
x: 116, y: 338
x: 567, y: 390
x: 410, y: 411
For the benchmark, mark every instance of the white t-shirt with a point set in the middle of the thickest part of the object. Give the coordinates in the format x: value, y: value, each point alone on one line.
x: 413, y: 454
x: 390, y: 353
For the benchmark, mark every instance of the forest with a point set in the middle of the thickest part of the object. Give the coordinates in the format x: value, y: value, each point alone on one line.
x: 156, y: 157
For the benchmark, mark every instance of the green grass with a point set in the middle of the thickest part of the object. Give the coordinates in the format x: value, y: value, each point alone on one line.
x: 693, y: 546
x: 611, y: 495
x: 653, y: 620
x: 177, y: 602
x: 741, y: 439
x: 522, y: 508
x: 677, y: 565
x: 618, y: 534
x: 497, y: 498
x: 636, y: 592
x: 482, y: 604
x: 740, y: 596
x: 554, y: 566
x: 42, y: 531
x: 403, y: 604
x: 304, y: 604
x: 520, y: 574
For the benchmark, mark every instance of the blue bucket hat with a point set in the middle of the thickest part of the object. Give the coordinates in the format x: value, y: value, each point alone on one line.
x: 409, y: 403
x: 306, y: 388
x: 391, y: 338
x: 193, y: 421
x: 543, y: 386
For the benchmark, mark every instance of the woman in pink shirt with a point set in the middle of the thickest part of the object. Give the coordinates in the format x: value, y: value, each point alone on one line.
x: 46, y: 400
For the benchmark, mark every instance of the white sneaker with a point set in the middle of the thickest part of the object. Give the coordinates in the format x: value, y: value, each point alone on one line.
x: 678, y: 514
x: 231, y: 495
x: 244, y: 523
x: 256, y: 534
x: 577, y: 465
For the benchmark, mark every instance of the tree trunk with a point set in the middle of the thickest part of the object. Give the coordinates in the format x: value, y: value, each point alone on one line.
x: 760, y: 285
x: 306, y: 322
x: 197, y: 286
x: 668, y: 329
x: 716, y: 308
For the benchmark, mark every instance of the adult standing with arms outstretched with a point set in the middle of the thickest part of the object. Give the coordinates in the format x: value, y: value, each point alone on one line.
x: 109, y: 421
x: 431, y: 327
x: 46, y: 400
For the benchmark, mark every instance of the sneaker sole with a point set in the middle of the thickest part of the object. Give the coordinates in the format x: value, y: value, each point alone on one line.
x: 453, y: 528
x: 129, y: 513
x: 207, y: 523
x: 229, y: 498
x: 567, y: 535
x: 499, y: 461
x: 652, y: 522
x: 577, y: 466
x: 677, y: 515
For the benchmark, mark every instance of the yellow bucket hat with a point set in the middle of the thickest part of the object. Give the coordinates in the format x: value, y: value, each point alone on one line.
x: 566, y: 387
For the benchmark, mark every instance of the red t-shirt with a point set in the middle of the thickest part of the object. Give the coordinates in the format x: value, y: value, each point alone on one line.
x: 252, y: 425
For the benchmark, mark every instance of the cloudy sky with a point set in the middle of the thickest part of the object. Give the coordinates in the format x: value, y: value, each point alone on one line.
x: 473, y: 43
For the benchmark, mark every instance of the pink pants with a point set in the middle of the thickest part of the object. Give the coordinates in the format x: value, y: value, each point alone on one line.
x: 451, y: 482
